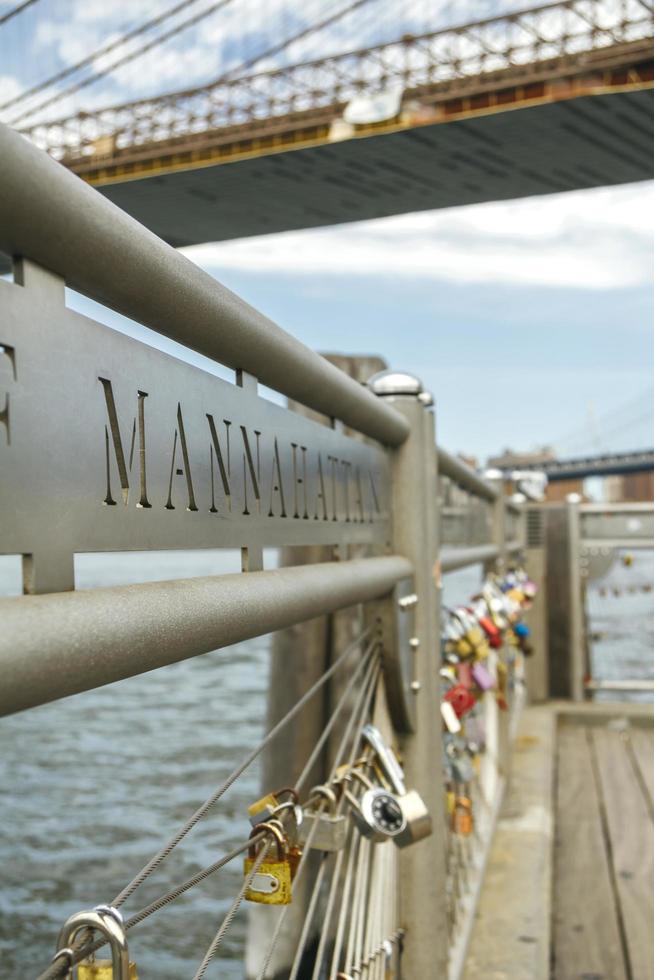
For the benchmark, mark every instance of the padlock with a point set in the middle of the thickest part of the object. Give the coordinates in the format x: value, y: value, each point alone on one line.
x: 378, y: 814
x: 450, y: 717
x: 330, y: 827
x: 292, y: 832
x: 492, y: 631
x: 464, y: 672
x: 462, y: 821
x: 473, y: 637
x: 502, y: 685
x: 461, y: 700
x: 109, y: 922
x: 263, y: 809
x: 271, y: 883
x: 482, y: 677
x: 416, y: 815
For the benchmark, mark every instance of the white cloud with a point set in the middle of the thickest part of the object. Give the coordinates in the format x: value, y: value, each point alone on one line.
x: 10, y: 87
x: 599, y: 239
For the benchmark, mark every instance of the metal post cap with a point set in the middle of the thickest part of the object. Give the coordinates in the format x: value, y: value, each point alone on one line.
x: 395, y: 383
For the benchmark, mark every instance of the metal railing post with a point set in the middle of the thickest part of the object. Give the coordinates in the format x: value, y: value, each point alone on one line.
x: 414, y: 492
x: 576, y: 612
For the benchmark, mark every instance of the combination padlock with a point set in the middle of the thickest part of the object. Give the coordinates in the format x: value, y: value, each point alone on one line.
x: 109, y: 922
x: 378, y: 814
x: 416, y: 815
x: 271, y: 883
x: 323, y: 830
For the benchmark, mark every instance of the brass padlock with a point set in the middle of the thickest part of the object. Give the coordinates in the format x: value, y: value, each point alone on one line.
x: 326, y: 830
x: 271, y: 883
x: 462, y: 821
x: 263, y: 809
x: 109, y: 922
x: 293, y: 850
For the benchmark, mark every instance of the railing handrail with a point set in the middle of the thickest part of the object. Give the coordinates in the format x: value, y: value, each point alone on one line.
x: 464, y: 476
x: 51, y: 217
x: 47, y: 639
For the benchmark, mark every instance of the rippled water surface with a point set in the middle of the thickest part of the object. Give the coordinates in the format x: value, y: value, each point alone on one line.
x: 91, y: 786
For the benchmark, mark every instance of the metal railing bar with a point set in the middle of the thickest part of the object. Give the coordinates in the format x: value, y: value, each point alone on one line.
x: 634, y: 684
x: 631, y: 543
x: 454, y: 558
x: 464, y: 476
x: 50, y: 216
x: 610, y: 509
x: 56, y: 645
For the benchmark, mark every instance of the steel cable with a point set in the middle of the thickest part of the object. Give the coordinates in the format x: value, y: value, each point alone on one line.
x: 160, y: 856
x: 131, y: 56
x: 85, y: 62
x: 56, y: 970
x: 359, y: 712
x: 15, y: 11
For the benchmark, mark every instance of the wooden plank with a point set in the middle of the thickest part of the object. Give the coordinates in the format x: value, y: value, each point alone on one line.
x: 642, y: 740
x: 586, y: 936
x: 631, y: 833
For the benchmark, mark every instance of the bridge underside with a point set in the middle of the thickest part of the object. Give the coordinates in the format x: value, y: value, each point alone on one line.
x: 500, y: 153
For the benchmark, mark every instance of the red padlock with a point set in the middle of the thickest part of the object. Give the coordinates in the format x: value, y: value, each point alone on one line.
x: 492, y: 631
x: 461, y: 699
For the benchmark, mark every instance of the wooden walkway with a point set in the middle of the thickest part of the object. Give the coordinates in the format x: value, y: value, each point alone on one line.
x: 603, y: 882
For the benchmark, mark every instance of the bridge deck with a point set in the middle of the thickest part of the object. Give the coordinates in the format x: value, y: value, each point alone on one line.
x: 570, y: 885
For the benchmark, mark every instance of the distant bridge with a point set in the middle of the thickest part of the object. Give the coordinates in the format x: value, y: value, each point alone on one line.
x: 607, y: 464
x: 554, y: 98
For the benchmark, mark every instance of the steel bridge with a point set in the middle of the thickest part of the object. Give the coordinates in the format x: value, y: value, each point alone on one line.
x: 553, y: 98
x: 605, y: 464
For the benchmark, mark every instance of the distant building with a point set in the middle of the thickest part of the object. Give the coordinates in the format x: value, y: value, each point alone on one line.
x: 637, y: 486
x: 510, y: 460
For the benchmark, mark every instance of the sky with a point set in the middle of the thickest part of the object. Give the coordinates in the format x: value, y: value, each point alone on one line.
x: 530, y: 321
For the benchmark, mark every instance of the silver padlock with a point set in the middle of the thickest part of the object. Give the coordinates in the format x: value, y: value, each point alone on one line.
x: 418, y: 824
x: 109, y: 922
x: 378, y: 814
x: 330, y: 827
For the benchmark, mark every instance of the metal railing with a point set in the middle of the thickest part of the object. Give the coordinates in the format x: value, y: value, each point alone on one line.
x: 596, y: 533
x: 109, y: 445
x: 521, y: 47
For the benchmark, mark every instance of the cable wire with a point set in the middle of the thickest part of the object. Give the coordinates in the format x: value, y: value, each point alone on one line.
x: 155, y: 861
x: 89, y: 59
x: 16, y: 10
x: 131, y: 56
x: 359, y: 713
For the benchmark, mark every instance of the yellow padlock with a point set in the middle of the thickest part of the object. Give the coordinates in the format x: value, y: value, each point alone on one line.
x: 464, y: 647
x: 271, y: 883
x: 101, y: 970
x: 264, y: 808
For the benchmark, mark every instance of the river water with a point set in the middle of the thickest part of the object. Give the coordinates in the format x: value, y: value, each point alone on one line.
x: 90, y: 787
